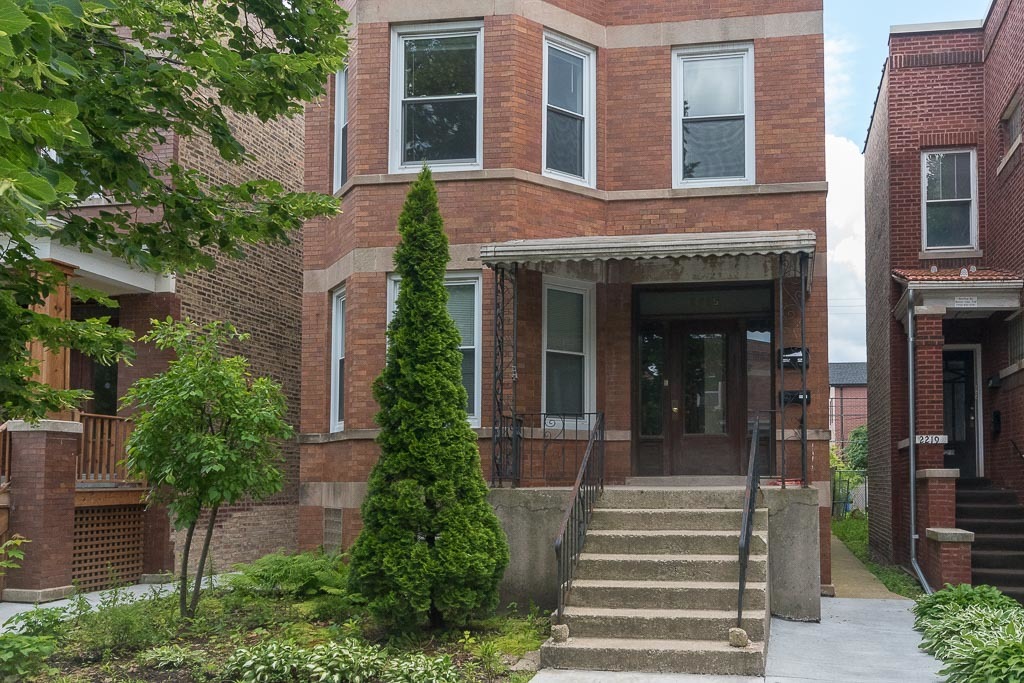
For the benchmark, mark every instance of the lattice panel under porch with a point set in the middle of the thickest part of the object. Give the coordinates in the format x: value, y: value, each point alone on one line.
x: 108, y: 546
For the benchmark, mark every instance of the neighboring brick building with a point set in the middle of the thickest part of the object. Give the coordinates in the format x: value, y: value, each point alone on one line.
x: 847, y: 399
x: 945, y: 218
x: 614, y: 250
x: 105, y: 532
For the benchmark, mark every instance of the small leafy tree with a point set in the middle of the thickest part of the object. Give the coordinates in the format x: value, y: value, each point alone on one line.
x: 856, y: 451
x: 11, y: 553
x: 206, y: 433
x: 431, y: 549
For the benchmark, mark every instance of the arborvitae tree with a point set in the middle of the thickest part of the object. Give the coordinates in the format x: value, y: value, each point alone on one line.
x: 432, y: 550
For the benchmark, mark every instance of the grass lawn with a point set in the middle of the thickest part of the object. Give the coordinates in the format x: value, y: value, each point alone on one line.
x: 853, y: 531
x: 287, y: 626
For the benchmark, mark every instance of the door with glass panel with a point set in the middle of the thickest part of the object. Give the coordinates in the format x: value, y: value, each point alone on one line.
x: 690, y: 402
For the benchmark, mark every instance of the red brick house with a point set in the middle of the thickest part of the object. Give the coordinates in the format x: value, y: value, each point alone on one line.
x: 67, y: 493
x: 847, y: 400
x: 635, y: 199
x: 945, y: 213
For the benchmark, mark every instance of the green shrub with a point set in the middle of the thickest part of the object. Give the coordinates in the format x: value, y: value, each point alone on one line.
x: 349, y: 661
x: 432, y: 550
x: 977, y: 624
x: 1000, y: 662
x: 170, y: 657
x: 49, y: 621
x: 22, y: 657
x: 930, y: 607
x: 121, y: 624
x: 298, y: 576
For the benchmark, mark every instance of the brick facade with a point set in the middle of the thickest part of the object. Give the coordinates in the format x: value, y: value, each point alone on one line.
x: 941, y: 88
x: 511, y: 199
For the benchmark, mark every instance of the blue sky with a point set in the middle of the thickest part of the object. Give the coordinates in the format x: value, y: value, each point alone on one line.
x: 856, y: 44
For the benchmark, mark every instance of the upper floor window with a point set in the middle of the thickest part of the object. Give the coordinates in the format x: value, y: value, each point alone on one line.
x: 569, y: 343
x: 949, y: 188
x: 338, y: 361
x: 713, y: 116
x: 340, y: 128
x: 436, y: 98
x: 570, y: 133
x: 1012, y: 125
x: 464, y: 305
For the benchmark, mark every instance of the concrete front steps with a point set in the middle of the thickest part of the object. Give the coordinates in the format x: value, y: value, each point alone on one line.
x: 996, y: 517
x: 656, y: 586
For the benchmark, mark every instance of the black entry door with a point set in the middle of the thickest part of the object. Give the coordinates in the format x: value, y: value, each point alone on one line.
x: 959, y: 392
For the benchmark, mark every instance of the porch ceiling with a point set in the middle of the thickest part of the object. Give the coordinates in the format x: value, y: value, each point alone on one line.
x: 640, y: 247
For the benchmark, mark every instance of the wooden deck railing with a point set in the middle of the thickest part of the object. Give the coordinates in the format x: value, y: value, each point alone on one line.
x: 5, y: 454
x: 102, y: 449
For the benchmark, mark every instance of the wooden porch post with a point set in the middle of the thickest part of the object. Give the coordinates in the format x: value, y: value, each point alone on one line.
x: 55, y: 367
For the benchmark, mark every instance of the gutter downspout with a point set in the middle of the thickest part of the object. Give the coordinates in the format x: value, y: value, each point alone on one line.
x: 912, y: 378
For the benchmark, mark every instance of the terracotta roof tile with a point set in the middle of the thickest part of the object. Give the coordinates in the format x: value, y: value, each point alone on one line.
x: 954, y: 275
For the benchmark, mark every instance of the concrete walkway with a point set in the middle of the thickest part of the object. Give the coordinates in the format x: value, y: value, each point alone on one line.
x: 863, y: 640
x: 852, y: 579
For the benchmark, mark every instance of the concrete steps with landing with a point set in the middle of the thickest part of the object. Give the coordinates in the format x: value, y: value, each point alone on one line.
x: 656, y: 586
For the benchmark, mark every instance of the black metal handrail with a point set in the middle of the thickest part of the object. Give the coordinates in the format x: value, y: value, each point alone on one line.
x: 749, y: 506
x: 589, y: 485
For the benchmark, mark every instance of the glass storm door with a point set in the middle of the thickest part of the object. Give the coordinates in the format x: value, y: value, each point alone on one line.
x: 690, y: 402
x: 959, y: 393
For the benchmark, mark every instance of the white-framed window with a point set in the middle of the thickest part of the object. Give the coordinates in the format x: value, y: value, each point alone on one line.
x: 570, y: 105
x: 569, y: 343
x: 949, y: 199
x: 437, y: 97
x: 465, y: 293
x: 713, y: 116
x: 338, y: 361
x: 1012, y: 124
x: 340, y: 128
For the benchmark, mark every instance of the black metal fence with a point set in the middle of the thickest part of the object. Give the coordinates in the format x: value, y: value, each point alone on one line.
x: 543, y: 448
x: 849, y: 492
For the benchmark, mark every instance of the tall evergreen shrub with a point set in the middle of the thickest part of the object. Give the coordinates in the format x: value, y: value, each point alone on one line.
x: 431, y: 550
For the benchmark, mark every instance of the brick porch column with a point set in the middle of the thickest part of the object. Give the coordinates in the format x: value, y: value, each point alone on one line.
x: 44, y: 462
x: 940, y: 545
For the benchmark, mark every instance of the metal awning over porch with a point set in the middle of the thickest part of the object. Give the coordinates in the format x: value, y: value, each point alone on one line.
x: 639, y: 247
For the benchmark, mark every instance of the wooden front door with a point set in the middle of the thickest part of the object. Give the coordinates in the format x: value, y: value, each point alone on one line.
x: 690, y: 402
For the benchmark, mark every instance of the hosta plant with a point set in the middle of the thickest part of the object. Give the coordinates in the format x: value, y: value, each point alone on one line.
x: 933, y: 606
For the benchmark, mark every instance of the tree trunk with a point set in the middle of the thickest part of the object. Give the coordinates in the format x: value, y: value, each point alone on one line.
x: 197, y: 589
x: 183, y: 592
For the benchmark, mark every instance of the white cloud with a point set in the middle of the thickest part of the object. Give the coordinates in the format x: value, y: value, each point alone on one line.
x: 845, y: 174
x: 838, y: 81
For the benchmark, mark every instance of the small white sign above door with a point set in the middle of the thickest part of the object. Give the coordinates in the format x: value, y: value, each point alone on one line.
x: 931, y: 438
x: 965, y: 302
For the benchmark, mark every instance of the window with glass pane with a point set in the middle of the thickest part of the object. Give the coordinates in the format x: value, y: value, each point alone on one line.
x: 714, y: 131
x: 439, y: 108
x: 1012, y: 127
x: 462, y: 307
x: 651, y: 380
x: 568, y: 119
x: 565, y: 357
x: 704, y: 383
x: 340, y: 129
x: 338, y: 365
x: 949, y: 199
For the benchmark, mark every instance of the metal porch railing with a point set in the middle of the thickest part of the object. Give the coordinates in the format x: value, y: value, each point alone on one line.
x: 749, y: 506
x: 573, y: 532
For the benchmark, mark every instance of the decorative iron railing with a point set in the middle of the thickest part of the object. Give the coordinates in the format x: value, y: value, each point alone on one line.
x: 573, y: 532
x: 102, y: 449
x: 5, y: 454
x: 749, y: 506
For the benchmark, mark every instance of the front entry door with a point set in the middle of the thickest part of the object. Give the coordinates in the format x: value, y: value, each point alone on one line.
x: 690, y: 405
x: 959, y: 398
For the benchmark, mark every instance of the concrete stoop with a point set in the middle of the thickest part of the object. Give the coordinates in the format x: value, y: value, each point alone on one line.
x: 656, y: 586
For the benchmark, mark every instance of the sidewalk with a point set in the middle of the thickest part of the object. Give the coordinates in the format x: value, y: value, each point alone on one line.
x: 852, y: 579
x: 862, y: 640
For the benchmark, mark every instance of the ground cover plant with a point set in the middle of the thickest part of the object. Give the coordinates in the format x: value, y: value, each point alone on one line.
x: 284, y: 618
x: 976, y: 631
x: 853, y: 532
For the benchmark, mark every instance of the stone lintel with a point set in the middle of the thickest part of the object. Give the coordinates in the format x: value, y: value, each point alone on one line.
x: 938, y: 474
x: 59, y: 426
x: 949, y: 535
